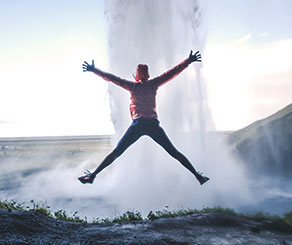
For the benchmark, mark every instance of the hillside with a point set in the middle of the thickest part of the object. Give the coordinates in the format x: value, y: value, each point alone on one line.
x: 26, y: 227
x: 265, y: 146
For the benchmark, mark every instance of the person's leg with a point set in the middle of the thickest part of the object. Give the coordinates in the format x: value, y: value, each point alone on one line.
x: 132, y: 134
x: 159, y: 136
x: 130, y: 137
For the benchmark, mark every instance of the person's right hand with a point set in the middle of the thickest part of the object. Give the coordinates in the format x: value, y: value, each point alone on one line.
x: 87, y: 67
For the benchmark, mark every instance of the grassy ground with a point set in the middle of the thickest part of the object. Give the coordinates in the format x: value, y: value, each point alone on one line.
x: 132, y: 215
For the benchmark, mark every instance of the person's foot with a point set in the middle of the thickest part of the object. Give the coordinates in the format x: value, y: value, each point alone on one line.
x: 202, y: 179
x: 88, y: 178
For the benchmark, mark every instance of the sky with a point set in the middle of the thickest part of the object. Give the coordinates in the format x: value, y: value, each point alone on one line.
x: 247, y: 65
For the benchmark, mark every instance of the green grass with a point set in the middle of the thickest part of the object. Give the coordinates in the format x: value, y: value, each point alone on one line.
x: 41, y: 208
x: 11, y: 205
x: 131, y: 216
x: 167, y: 213
x: 62, y: 215
x: 261, y: 215
x: 288, y: 218
x: 44, y: 209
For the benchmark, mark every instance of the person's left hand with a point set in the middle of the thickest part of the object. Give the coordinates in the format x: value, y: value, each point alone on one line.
x: 195, y: 57
x: 87, y: 67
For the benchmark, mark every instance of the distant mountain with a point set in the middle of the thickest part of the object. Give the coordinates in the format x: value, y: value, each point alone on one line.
x: 265, y: 146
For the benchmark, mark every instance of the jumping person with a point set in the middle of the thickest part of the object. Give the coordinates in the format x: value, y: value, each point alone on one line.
x: 143, y: 113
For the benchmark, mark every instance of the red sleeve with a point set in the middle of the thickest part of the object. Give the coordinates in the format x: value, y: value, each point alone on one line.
x: 128, y: 85
x: 172, y: 73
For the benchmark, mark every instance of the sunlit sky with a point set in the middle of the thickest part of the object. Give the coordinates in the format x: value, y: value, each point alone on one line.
x: 247, y: 65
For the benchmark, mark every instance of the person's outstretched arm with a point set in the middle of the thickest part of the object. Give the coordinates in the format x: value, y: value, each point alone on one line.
x: 172, y: 73
x: 108, y: 76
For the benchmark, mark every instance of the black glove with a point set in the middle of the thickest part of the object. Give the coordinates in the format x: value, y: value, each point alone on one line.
x: 87, y: 67
x: 195, y: 57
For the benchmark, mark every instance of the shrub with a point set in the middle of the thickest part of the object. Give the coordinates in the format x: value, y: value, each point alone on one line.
x: 288, y: 218
x: 62, y: 215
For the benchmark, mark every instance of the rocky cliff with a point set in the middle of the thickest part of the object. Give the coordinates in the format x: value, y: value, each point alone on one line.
x: 266, y: 145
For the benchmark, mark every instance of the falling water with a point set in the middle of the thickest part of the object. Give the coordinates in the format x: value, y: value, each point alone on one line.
x: 161, y: 34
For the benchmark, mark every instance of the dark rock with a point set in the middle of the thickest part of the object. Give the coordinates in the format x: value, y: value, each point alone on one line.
x: 23, y: 227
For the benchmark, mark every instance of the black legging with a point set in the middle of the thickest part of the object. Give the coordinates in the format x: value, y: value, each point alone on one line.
x: 138, y: 128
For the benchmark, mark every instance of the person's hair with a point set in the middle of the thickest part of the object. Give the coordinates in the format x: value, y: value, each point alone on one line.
x: 143, y: 68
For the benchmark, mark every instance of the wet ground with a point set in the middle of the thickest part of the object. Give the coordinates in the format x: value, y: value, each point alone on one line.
x: 23, y: 227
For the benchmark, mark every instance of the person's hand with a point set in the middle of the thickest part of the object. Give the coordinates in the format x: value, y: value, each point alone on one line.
x: 195, y: 57
x: 87, y: 67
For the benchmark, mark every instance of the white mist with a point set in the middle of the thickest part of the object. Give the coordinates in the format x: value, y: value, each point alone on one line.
x: 161, y: 34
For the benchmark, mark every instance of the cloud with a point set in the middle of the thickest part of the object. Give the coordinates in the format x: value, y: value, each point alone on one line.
x: 247, y: 81
x: 265, y: 34
x: 244, y: 38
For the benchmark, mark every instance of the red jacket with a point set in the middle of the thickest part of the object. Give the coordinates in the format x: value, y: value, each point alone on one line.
x: 143, y: 102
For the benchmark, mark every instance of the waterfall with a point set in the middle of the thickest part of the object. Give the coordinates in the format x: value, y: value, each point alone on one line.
x: 161, y: 34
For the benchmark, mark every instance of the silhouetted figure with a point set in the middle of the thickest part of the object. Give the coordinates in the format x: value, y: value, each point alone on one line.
x: 143, y: 112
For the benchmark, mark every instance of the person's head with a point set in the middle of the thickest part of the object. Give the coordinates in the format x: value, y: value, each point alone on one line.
x: 142, y: 73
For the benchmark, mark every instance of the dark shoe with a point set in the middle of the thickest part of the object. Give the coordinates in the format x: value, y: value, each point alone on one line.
x: 88, y: 178
x: 202, y: 179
